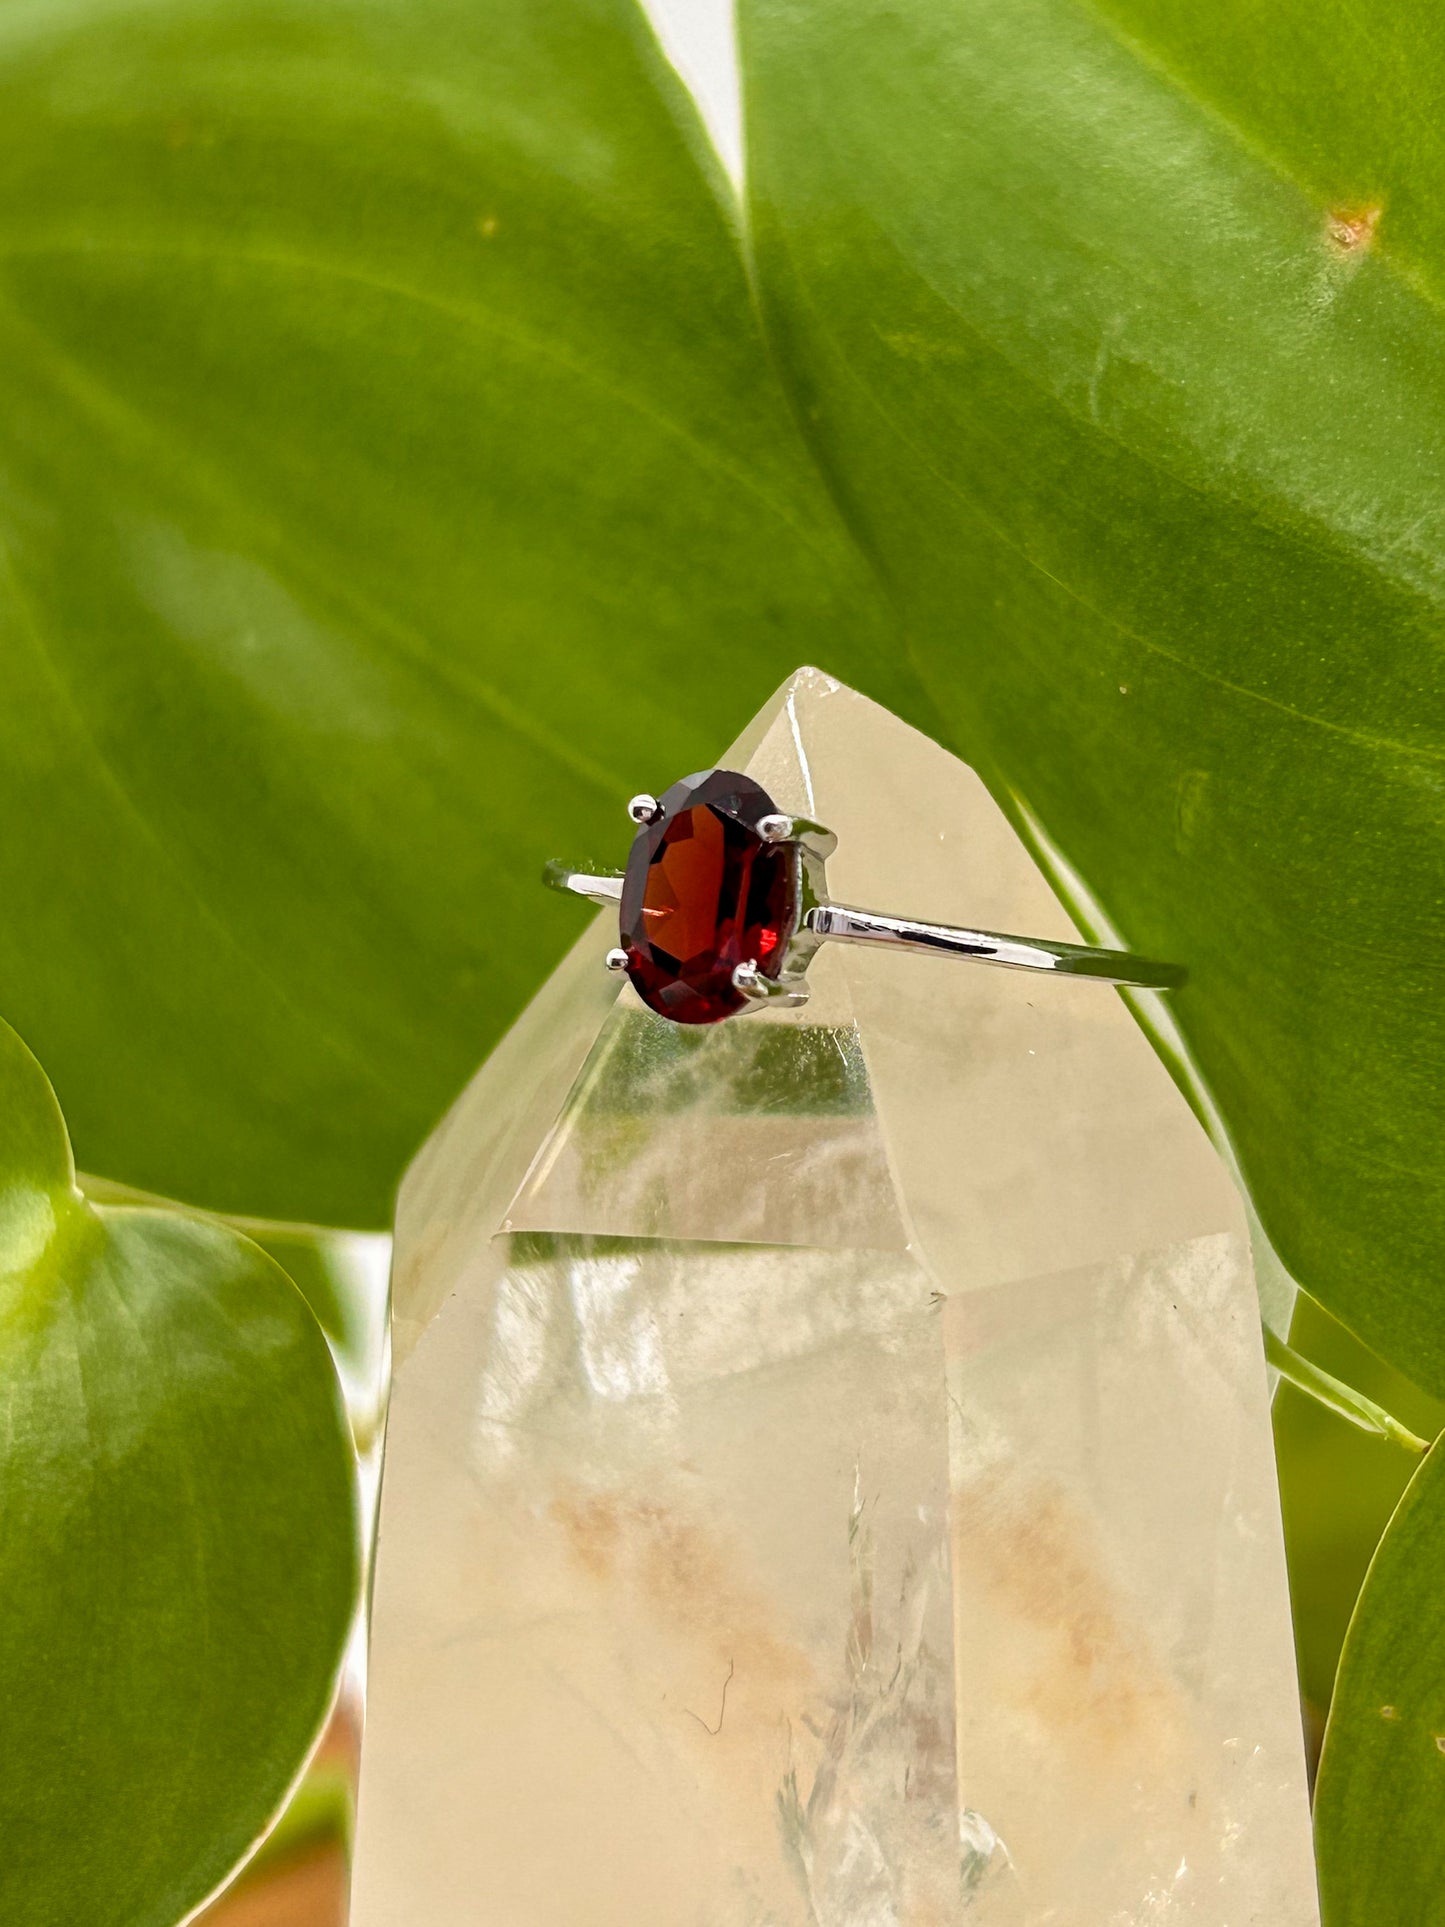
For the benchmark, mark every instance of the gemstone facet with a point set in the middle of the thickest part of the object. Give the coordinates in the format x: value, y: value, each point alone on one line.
x: 703, y: 893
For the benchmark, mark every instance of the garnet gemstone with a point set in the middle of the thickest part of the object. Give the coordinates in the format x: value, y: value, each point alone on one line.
x: 704, y: 893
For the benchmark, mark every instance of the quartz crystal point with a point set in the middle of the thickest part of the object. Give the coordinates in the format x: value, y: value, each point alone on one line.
x: 829, y: 1480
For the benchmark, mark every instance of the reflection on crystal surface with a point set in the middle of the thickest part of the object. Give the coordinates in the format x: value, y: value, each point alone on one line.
x: 753, y: 1132
x: 831, y: 1480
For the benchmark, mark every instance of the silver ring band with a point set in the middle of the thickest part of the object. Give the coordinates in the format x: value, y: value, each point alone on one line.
x: 841, y: 923
x: 845, y: 925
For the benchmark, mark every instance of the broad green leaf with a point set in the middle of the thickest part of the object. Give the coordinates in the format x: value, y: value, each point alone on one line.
x: 1140, y: 401
x: 178, y: 1539
x: 392, y: 482
x: 1338, y: 1487
x: 344, y: 1276
x: 1380, y: 1797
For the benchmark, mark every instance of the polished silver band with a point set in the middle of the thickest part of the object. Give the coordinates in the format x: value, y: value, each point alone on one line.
x: 839, y: 923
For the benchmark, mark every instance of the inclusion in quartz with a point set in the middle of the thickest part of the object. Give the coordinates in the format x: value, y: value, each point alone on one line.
x: 704, y: 892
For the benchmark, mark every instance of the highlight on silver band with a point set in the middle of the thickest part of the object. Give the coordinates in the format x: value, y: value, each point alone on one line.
x: 844, y: 925
x: 601, y: 886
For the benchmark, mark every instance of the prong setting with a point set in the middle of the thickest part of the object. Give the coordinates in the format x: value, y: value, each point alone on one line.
x: 644, y: 809
x: 761, y: 991
x: 616, y: 960
x: 815, y: 839
x: 778, y: 827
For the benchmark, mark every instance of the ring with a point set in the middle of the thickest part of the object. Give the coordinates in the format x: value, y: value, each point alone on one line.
x: 724, y: 903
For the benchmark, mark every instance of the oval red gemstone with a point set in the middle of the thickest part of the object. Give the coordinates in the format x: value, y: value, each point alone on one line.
x: 704, y: 893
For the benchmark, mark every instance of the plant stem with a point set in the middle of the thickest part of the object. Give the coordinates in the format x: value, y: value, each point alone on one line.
x: 1340, y: 1398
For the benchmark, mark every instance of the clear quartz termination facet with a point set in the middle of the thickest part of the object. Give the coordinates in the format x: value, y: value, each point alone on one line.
x: 830, y: 1479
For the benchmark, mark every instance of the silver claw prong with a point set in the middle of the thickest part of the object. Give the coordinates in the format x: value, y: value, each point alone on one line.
x: 780, y: 828
x: 762, y: 991
x: 644, y: 808
x: 813, y: 835
x: 616, y: 959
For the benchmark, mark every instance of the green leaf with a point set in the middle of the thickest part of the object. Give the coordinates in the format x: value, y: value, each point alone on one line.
x: 1338, y: 1487
x: 392, y: 482
x: 1380, y: 1797
x: 178, y: 1539
x: 1140, y: 405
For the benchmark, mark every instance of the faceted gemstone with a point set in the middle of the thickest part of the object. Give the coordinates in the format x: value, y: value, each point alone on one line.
x: 704, y: 893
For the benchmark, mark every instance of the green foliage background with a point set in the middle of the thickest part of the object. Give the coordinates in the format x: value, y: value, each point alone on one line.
x: 409, y: 446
